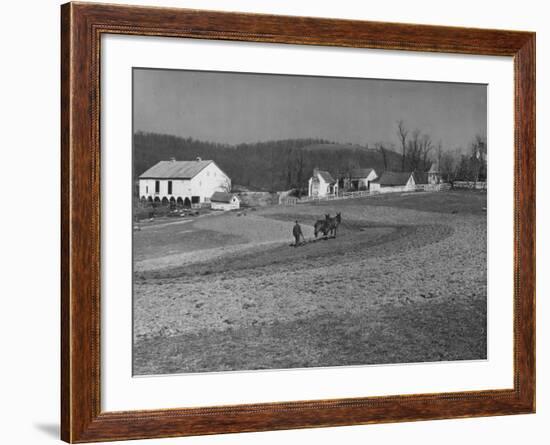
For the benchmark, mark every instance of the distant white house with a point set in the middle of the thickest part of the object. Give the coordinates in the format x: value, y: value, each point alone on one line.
x: 224, y: 201
x: 322, y: 183
x: 392, y: 181
x: 361, y: 178
x: 182, y: 182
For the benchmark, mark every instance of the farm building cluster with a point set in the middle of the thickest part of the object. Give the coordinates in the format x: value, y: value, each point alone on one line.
x: 322, y: 183
x: 199, y: 183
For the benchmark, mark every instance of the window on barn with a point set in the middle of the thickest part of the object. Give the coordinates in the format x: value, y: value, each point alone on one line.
x: 169, y: 187
x: 157, y: 186
x: 146, y: 189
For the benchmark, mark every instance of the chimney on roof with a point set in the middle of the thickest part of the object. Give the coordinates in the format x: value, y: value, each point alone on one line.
x: 172, y: 159
x: 315, y: 171
x: 199, y: 159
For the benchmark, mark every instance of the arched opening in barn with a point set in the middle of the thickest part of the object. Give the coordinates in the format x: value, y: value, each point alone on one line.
x: 150, y: 199
x: 179, y: 202
x: 165, y: 201
x: 187, y: 202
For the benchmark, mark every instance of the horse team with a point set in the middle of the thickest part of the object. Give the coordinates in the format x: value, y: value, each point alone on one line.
x: 327, y: 226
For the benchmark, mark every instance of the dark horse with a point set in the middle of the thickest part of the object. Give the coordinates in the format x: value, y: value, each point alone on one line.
x: 333, y: 224
x: 321, y: 225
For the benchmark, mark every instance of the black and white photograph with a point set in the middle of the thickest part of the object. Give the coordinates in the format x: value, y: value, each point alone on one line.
x: 286, y: 221
x: 291, y: 221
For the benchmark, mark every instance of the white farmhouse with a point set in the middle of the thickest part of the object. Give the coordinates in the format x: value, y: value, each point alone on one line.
x: 224, y: 201
x: 182, y: 182
x: 322, y: 184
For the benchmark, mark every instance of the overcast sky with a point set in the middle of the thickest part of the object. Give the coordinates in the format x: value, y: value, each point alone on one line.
x: 236, y: 107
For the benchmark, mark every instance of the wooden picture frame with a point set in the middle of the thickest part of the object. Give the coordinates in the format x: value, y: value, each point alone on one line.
x: 82, y: 26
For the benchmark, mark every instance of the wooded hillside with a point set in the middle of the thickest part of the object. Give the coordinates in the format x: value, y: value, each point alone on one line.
x: 270, y: 165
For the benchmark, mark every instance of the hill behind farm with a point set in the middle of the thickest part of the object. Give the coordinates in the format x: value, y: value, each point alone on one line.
x: 266, y: 166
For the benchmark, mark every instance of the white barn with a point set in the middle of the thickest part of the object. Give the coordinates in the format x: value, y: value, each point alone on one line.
x: 322, y: 183
x: 184, y: 183
x: 224, y: 201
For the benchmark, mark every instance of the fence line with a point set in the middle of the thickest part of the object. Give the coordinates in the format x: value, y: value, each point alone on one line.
x: 366, y: 193
x: 470, y: 185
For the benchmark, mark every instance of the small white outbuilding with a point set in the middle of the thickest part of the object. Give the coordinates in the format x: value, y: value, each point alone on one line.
x: 361, y: 178
x: 224, y: 201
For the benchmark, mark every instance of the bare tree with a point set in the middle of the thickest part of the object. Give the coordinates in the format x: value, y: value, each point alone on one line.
x: 383, y: 152
x: 226, y: 185
x: 478, y: 157
x: 426, y: 147
x: 346, y: 176
x: 414, y: 150
x: 402, y: 133
x: 419, y: 147
x: 450, y: 165
x: 439, y: 153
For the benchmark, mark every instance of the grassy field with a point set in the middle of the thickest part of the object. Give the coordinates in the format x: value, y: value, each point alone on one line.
x: 404, y: 281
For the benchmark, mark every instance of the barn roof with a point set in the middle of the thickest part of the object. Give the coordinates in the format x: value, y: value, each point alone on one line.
x: 222, y: 197
x: 434, y: 168
x: 420, y: 177
x: 393, y: 178
x: 175, y: 169
x: 327, y: 177
x: 361, y: 172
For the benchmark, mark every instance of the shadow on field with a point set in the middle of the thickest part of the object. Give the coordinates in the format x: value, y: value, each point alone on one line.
x: 419, y: 332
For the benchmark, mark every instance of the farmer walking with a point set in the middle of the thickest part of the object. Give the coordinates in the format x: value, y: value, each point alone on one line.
x: 297, y: 232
